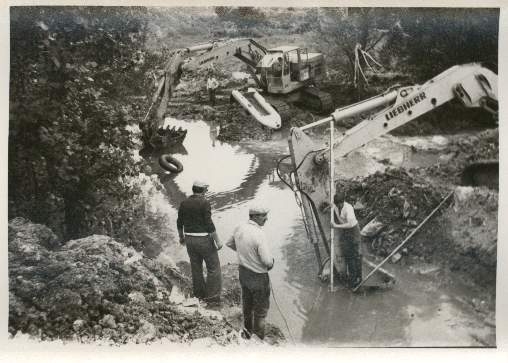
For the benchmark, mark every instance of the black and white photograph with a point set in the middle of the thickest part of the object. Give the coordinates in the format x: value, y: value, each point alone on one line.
x: 253, y: 178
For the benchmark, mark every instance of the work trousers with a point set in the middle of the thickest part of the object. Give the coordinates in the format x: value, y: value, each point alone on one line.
x: 255, y: 300
x: 202, y: 248
x: 350, y: 239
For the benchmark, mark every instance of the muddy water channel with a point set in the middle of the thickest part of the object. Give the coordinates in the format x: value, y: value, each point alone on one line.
x: 419, y: 310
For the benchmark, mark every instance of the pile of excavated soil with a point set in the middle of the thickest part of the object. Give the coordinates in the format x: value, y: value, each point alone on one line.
x: 95, y: 288
x: 396, y: 199
x: 472, y: 224
x: 462, y: 235
x: 459, y: 153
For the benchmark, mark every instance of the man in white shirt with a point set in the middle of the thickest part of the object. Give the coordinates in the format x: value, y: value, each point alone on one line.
x: 255, y: 260
x: 349, y: 237
x: 211, y: 86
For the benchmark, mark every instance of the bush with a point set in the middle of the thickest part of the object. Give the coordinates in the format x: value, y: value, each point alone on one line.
x: 69, y: 143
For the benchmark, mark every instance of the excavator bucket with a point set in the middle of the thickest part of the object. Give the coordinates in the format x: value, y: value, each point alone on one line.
x: 312, y: 182
x: 380, y: 279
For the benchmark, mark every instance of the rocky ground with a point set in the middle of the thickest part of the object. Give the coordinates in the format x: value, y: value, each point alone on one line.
x: 95, y: 289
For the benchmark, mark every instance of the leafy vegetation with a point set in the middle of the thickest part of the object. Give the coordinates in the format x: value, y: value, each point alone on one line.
x: 418, y: 41
x: 69, y: 143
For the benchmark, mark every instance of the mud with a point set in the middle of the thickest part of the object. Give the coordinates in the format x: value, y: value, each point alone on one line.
x: 462, y: 150
x: 95, y: 289
x: 461, y: 236
x: 190, y: 101
x: 232, y: 301
x: 397, y: 200
x: 460, y: 240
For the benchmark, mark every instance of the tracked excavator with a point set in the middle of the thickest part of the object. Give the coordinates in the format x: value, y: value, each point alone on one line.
x: 313, y: 164
x: 283, y: 75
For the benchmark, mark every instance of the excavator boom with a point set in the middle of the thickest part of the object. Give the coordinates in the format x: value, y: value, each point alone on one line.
x: 247, y: 50
x: 472, y: 84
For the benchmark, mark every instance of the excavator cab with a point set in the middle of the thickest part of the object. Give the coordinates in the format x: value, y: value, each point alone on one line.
x: 288, y: 68
x: 276, y: 65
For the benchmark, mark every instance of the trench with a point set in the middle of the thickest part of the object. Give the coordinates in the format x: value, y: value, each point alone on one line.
x: 419, y: 310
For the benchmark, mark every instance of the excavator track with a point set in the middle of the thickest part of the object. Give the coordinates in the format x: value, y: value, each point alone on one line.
x: 281, y: 107
x: 316, y: 99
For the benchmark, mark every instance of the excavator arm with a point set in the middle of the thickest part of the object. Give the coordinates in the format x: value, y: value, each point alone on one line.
x: 472, y: 84
x: 202, y: 55
x: 247, y: 50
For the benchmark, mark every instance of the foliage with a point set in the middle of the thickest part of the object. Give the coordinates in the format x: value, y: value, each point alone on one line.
x: 244, y: 17
x: 440, y: 38
x: 69, y: 143
x: 420, y: 41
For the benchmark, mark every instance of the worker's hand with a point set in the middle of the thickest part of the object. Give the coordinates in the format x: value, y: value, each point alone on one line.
x: 216, y: 240
x: 271, y: 266
x: 182, y: 241
x: 218, y: 244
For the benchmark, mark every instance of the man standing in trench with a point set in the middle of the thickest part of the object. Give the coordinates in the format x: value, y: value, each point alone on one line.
x: 349, y: 237
x: 197, y: 233
x: 255, y: 260
x: 211, y: 85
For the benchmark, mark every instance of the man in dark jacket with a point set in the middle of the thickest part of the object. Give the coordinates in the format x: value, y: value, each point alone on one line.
x: 197, y: 233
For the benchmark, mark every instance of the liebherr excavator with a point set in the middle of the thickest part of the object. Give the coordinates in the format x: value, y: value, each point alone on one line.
x: 283, y: 74
x: 471, y: 84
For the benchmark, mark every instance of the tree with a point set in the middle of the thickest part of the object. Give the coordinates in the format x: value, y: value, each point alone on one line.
x: 242, y: 16
x: 440, y: 38
x: 69, y: 147
x: 421, y: 41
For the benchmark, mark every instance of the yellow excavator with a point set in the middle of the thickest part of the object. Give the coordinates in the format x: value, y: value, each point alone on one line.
x: 283, y: 75
x: 311, y: 169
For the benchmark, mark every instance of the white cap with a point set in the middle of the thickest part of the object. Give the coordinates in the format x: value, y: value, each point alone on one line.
x: 200, y: 184
x: 258, y: 209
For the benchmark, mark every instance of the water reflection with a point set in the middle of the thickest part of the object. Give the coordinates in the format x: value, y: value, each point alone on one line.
x: 222, y: 166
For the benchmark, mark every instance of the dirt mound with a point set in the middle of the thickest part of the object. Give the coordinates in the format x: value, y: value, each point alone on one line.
x: 462, y: 235
x: 461, y: 152
x: 96, y: 288
x: 473, y: 228
x: 396, y: 199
